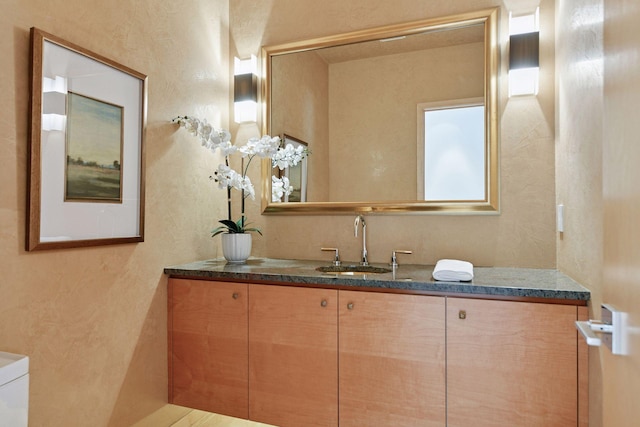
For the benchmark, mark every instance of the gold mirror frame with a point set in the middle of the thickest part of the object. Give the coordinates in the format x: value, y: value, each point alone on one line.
x: 488, y: 17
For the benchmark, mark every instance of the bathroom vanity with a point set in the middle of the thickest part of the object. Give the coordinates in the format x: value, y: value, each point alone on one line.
x: 279, y: 342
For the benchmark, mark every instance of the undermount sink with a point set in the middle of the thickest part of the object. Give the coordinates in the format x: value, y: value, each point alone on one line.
x: 351, y: 270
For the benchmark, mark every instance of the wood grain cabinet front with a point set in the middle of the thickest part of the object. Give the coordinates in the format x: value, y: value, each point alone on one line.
x: 300, y: 356
x: 208, y: 346
x: 511, y: 364
x: 392, y: 360
x: 293, y: 356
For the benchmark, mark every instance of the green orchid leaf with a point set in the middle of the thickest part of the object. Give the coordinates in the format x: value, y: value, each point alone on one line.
x: 256, y: 230
x: 232, y: 227
x: 218, y: 230
x: 226, y: 227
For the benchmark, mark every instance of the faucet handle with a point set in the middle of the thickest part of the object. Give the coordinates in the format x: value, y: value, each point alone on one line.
x: 336, y: 260
x: 394, y: 260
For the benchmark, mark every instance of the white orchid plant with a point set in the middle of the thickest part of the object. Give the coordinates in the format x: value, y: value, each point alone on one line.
x: 227, y: 178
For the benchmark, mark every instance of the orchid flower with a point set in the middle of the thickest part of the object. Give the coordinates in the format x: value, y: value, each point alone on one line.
x: 227, y: 178
x: 279, y: 188
x: 288, y: 156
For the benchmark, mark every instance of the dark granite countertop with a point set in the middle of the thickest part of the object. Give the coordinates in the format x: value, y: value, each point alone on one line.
x: 490, y: 282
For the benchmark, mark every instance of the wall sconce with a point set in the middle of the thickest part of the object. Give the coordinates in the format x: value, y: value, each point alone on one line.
x: 524, y: 53
x: 54, y: 103
x: 245, y: 90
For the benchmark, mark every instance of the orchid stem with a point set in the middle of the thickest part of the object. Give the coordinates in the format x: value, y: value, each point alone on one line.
x: 244, y: 174
x: 226, y: 161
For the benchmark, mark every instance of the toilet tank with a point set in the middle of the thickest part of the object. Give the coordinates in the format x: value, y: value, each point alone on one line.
x: 14, y: 390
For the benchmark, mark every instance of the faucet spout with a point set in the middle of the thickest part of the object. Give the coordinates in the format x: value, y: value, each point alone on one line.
x: 360, y: 219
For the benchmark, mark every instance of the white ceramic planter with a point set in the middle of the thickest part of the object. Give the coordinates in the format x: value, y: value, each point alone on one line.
x: 236, y: 247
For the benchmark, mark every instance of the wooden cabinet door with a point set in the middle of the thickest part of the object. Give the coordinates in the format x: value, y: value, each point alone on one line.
x: 208, y: 346
x: 392, y: 360
x: 293, y: 361
x: 511, y: 364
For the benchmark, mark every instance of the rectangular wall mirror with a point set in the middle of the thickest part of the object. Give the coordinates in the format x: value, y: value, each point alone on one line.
x: 353, y: 99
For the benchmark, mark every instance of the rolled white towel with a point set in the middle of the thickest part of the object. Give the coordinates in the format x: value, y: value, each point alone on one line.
x: 451, y: 270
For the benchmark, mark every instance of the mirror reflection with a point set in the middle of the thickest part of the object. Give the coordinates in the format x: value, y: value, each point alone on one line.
x: 366, y: 103
x: 451, y: 156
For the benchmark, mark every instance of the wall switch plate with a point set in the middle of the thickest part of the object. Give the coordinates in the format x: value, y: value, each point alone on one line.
x: 560, y: 218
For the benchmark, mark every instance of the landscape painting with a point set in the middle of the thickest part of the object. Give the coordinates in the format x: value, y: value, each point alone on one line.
x: 94, y: 143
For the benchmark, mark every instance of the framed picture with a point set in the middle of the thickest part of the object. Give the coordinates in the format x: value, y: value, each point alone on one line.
x: 297, y: 174
x: 86, y: 146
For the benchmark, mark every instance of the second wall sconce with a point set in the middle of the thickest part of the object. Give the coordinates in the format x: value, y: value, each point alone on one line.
x: 245, y: 90
x: 524, y: 53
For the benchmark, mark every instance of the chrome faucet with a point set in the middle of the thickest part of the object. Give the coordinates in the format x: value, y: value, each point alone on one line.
x: 359, y: 218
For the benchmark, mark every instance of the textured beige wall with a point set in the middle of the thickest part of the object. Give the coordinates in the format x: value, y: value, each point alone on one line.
x: 373, y: 117
x: 93, y: 320
x: 580, y: 80
x: 522, y: 235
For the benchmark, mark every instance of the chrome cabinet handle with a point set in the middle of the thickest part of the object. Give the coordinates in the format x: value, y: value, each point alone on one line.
x: 323, y: 303
x: 350, y: 306
x: 235, y: 295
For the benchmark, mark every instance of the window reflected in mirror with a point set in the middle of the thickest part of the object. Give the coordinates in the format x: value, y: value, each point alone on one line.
x: 451, y: 145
